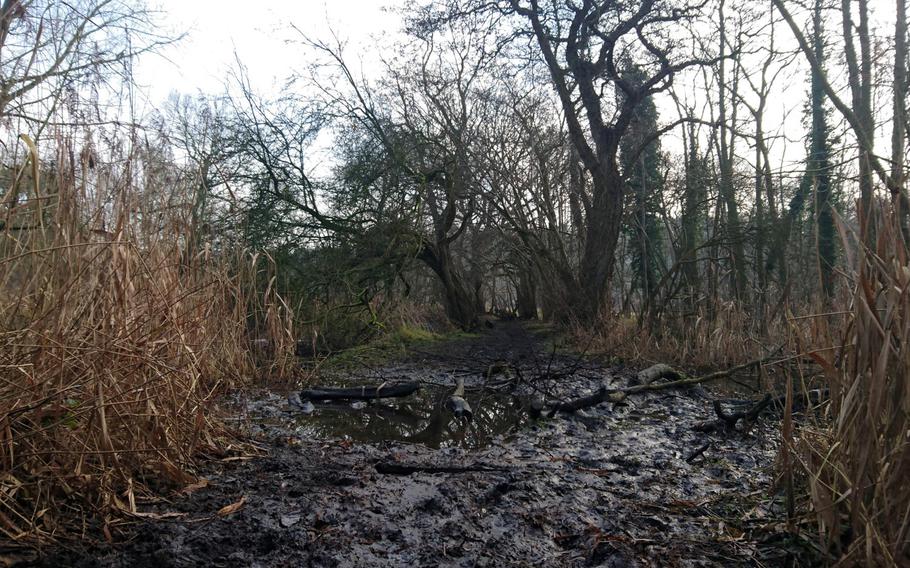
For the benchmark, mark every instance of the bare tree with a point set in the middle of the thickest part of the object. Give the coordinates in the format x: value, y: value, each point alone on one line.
x: 901, y: 126
x: 858, y: 114
x: 48, y: 47
x: 425, y: 126
x: 582, y: 45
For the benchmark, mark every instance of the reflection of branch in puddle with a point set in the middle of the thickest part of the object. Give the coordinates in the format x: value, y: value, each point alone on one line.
x: 374, y: 422
x: 421, y: 419
x: 432, y: 435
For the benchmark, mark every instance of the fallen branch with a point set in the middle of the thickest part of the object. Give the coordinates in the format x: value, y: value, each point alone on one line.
x: 385, y: 390
x: 697, y: 452
x: 727, y: 421
x: 801, y: 400
x: 686, y: 381
x: 653, y: 373
x: 602, y: 395
x: 394, y: 468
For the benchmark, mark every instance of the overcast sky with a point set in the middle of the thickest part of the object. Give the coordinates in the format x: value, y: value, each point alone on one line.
x: 258, y: 30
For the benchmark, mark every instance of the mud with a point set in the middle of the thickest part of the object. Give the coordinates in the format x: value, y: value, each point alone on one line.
x: 610, y: 486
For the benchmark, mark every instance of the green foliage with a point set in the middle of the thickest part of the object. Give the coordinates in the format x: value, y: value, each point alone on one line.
x: 390, y: 344
x: 406, y: 334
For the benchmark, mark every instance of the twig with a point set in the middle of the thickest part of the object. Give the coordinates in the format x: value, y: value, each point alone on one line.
x: 394, y: 468
x: 699, y: 451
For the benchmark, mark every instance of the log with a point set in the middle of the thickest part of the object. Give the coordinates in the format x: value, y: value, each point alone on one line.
x: 366, y: 392
x: 748, y: 416
x: 657, y: 372
x: 602, y: 395
x: 618, y: 395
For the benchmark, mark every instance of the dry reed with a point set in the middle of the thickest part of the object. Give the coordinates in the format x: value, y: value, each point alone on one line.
x: 856, y: 461
x: 853, y: 454
x: 115, y: 341
x: 724, y: 338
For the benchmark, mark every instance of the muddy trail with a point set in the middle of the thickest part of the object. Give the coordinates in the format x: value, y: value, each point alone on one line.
x: 628, y: 484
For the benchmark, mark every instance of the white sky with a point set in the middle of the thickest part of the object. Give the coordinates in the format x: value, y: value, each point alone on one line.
x: 258, y: 30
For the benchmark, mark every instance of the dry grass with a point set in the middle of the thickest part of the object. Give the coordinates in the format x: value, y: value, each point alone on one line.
x: 853, y: 455
x: 114, y: 343
x: 701, y: 341
x: 857, y: 461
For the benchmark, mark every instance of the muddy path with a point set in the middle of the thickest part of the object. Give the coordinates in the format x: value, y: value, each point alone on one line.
x: 610, y: 486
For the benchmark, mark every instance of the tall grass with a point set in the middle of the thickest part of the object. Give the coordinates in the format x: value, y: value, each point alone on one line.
x: 853, y: 455
x: 725, y: 337
x: 857, y: 462
x: 114, y: 343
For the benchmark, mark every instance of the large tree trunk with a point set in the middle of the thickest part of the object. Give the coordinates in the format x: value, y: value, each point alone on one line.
x: 460, y: 302
x: 601, y: 238
x: 526, y: 293
x: 565, y: 33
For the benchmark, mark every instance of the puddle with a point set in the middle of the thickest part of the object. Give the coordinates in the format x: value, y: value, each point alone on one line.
x: 420, y: 419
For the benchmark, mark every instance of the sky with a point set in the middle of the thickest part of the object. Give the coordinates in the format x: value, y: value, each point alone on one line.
x: 259, y: 31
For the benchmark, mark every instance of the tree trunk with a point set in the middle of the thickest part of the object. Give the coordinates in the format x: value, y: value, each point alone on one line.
x: 726, y: 153
x: 900, y: 125
x: 460, y: 302
x: 526, y: 294
x: 900, y: 94
x: 860, y: 79
x: 819, y: 166
x: 693, y: 202
x: 601, y: 238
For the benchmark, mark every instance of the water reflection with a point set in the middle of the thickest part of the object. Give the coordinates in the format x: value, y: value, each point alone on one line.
x: 420, y: 418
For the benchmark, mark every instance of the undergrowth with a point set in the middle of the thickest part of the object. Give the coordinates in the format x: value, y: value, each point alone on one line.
x: 850, y: 458
x: 393, y: 341
x: 116, y: 339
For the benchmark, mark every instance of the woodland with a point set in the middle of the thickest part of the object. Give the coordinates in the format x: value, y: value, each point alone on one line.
x: 537, y: 282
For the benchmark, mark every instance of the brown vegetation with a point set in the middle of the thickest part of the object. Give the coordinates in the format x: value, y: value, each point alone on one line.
x: 113, y: 346
x: 853, y: 455
x: 507, y: 159
x: 856, y: 460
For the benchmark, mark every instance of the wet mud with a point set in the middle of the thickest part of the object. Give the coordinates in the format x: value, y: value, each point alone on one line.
x: 614, y: 485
